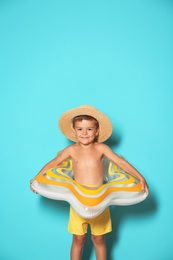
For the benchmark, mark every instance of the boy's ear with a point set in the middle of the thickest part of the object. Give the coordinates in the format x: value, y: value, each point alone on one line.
x: 98, y: 130
x: 72, y: 129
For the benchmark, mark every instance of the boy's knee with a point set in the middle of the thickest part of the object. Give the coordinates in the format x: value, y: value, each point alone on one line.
x: 98, y: 240
x: 79, y: 239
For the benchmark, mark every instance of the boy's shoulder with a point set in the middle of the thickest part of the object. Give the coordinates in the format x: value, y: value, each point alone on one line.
x: 71, y: 147
x: 101, y: 146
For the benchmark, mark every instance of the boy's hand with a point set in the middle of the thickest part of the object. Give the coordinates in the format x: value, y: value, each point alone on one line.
x: 144, y: 186
x: 31, y: 181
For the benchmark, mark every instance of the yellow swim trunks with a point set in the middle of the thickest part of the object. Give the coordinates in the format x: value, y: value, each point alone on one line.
x: 100, y: 225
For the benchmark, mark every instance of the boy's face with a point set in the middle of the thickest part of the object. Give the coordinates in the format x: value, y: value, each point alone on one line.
x: 86, y: 131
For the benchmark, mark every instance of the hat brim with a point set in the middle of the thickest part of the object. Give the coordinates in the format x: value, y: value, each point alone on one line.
x: 65, y: 122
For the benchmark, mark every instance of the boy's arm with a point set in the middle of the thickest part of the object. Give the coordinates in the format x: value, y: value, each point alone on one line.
x: 65, y: 154
x: 126, y: 166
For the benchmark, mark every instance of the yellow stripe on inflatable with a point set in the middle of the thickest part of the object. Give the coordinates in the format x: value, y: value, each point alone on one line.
x: 85, y: 190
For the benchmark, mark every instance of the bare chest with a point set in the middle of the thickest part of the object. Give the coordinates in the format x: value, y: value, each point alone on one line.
x: 89, y: 158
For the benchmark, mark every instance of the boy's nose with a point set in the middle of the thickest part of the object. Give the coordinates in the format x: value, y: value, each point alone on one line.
x: 84, y: 131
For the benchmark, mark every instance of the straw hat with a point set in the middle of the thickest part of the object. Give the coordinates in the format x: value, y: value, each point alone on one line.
x: 65, y: 122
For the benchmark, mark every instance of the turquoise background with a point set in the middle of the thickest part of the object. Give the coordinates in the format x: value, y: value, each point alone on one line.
x: 116, y: 56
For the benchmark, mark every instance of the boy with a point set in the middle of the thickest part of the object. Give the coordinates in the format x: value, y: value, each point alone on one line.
x: 88, y: 128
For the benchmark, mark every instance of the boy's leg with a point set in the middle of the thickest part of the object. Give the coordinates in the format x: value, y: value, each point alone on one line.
x: 99, y: 226
x: 100, y: 247
x: 78, y: 227
x: 77, y: 246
